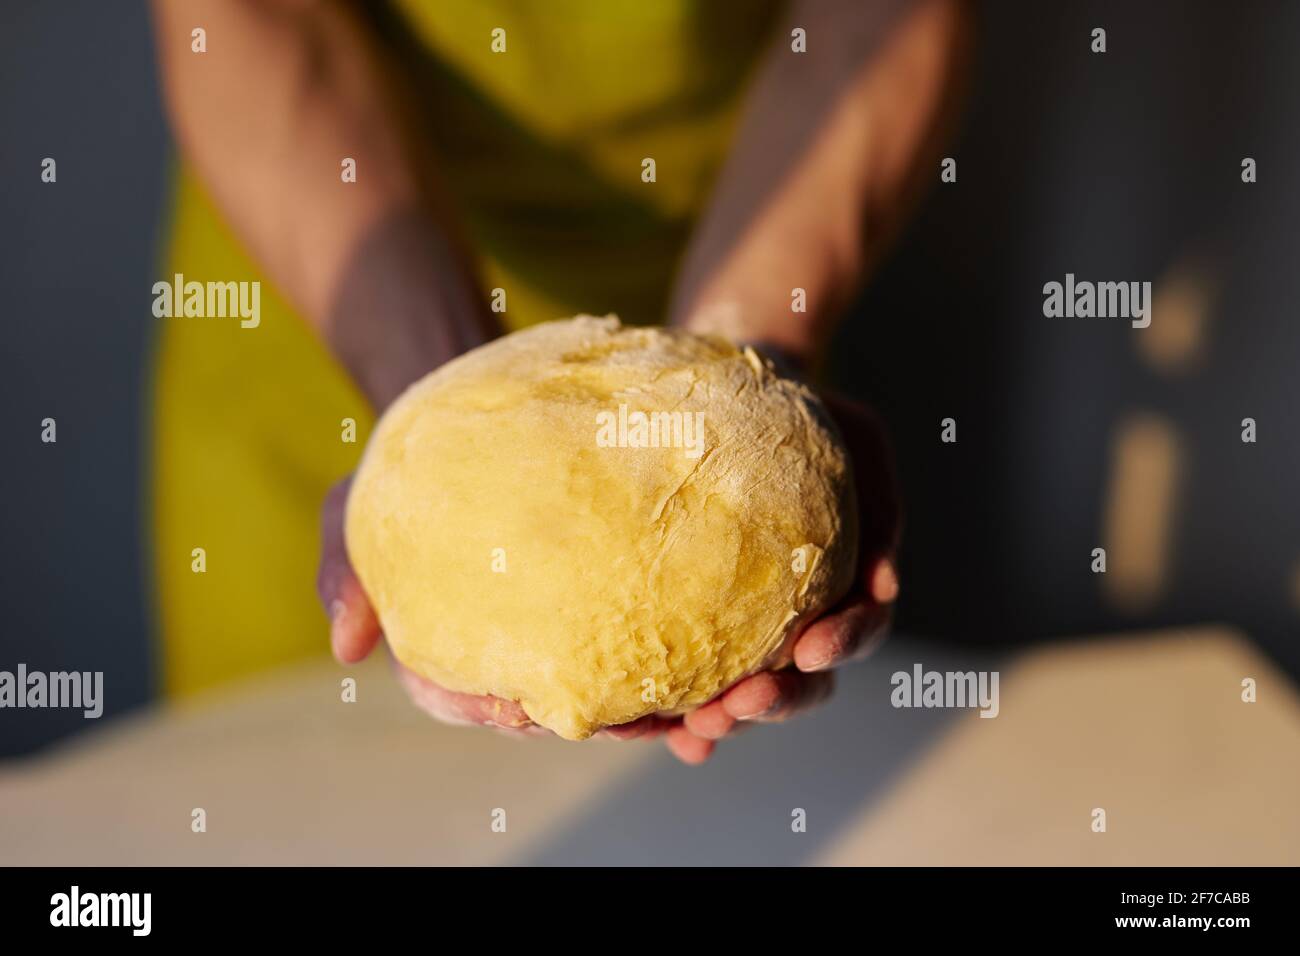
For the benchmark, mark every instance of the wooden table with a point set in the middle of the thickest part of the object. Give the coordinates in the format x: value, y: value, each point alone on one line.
x: 1150, y: 728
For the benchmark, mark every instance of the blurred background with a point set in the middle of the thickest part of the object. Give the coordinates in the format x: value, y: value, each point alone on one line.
x: 1072, y: 434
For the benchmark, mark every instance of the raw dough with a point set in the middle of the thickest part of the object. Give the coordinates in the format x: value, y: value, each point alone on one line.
x: 516, y: 542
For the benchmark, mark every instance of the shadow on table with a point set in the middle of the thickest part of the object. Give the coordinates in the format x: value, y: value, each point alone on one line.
x: 830, y: 765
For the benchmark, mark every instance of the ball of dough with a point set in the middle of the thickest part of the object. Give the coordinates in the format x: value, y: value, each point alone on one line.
x: 601, y: 522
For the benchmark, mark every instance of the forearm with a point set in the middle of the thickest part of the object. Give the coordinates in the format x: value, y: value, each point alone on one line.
x: 285, y: 92
x: 824, y: 164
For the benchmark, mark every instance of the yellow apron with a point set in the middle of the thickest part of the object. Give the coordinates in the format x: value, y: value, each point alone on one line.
x: 542, y: 146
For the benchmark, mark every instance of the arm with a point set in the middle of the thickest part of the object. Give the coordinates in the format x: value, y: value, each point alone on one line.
x: 286, y: 90
x: 832, y: 145
x: 831, y: 148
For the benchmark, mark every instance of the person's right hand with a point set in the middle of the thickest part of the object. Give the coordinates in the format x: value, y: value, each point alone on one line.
x: 355, y: 632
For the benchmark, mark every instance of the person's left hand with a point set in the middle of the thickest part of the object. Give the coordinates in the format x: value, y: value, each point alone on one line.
x: 849, y: 631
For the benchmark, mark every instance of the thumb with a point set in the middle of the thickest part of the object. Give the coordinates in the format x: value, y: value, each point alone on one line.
x: 354, y: 628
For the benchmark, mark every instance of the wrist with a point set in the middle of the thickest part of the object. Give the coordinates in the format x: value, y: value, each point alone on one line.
x: 781, y: 337
x: 406, y: 303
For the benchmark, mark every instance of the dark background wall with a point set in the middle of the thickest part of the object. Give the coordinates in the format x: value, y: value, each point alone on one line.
x: 1120, y: 166
x: 76, y: 262
x: 1114, y: 166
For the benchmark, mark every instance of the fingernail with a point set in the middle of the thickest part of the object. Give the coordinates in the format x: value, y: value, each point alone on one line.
x: 885, y: 586
x: 817, y: 664
x: 758, y: 713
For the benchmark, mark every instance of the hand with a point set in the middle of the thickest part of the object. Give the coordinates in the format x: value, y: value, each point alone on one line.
x: 848, y: 631
x: 354, y: 632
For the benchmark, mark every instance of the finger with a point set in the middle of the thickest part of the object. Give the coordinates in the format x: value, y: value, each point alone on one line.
x: 775, y: 695
x: 849, y: 633
x: 659, y: 726
x: 712, y: 721
x: 883, y: 579
x: 755, y: 696
x: 647, y: 727
x: 855, y: 627
x: 811, y: 691
x: 354, y: 628
x: 630, y: 731
x: 688, y: 748
x: 453, y: 707
x: 532, y: 730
